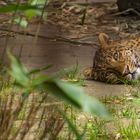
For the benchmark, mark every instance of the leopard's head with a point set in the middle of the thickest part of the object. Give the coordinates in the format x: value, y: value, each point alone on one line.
x: 115, y: 56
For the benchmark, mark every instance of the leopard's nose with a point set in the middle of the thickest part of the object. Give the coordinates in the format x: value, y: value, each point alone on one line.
x: 133, y: 74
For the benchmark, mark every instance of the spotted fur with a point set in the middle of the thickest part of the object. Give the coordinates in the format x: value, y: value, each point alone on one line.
x: 115, y: 61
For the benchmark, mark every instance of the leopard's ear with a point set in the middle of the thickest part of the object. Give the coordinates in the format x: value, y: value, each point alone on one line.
x: 104, y: 40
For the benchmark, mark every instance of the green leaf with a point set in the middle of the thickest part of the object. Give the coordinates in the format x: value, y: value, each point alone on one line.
x: 15, y: 7
x: 76, y: 96
x: 18, y: 71
x: 22, y: 22
x: 38, y: 81
x: 35, y: 71
x: 31, y: 13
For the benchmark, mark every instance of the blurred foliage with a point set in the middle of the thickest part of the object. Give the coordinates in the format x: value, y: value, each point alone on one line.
x: 25, y: 11
x: 69, y: 92
x: 24, y: 82
x: 32, y: 81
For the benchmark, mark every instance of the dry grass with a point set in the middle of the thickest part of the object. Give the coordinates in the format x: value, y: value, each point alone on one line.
x: 23, y: 117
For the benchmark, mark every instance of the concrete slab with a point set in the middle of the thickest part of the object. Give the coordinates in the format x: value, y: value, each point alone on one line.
x: 102, y: 90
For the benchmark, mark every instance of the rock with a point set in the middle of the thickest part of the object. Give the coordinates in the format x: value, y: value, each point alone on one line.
x: 127, y: 4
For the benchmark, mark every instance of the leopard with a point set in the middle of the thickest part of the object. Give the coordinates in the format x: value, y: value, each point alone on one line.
x: 115, y: 61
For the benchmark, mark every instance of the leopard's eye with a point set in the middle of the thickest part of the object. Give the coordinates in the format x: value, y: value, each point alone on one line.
x: 116, y: 56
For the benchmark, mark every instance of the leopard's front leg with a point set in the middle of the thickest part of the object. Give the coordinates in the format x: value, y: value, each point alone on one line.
x: 108, y: 76
x: 103, y: 75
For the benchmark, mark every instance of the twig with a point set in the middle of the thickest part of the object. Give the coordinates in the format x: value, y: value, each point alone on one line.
x: 56, y: 38
x: 126, y: 11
